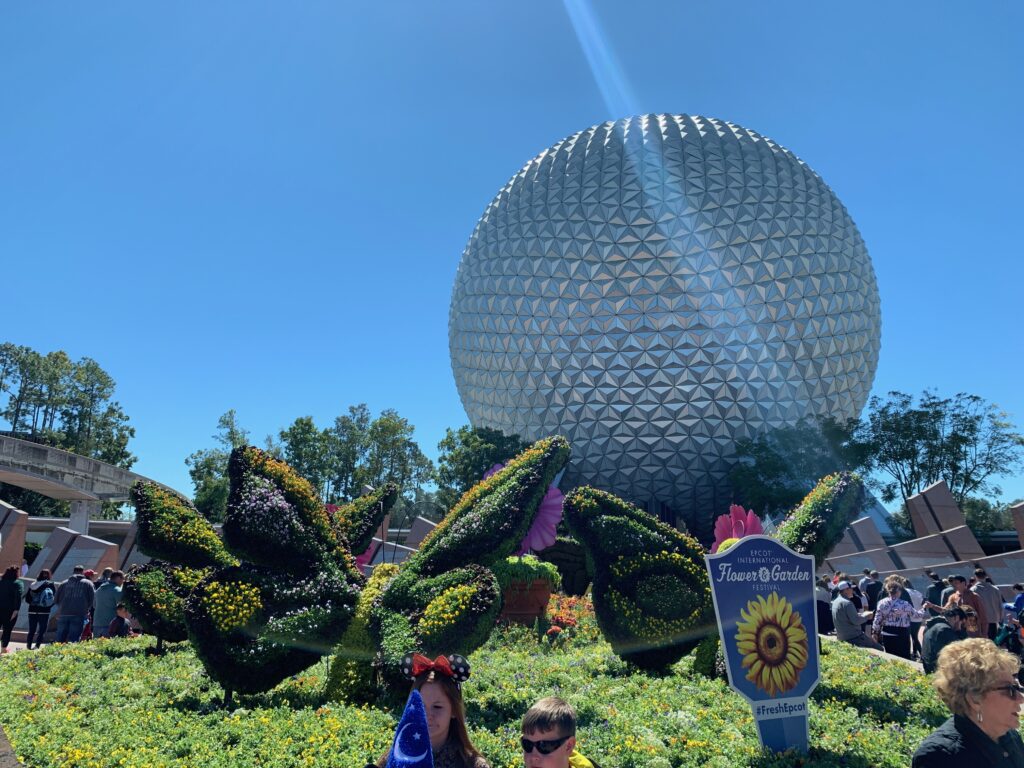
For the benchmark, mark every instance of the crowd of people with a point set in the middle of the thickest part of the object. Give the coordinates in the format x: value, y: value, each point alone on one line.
x: 893, y: 616
x: 85, y: 606
x: 964, y: 634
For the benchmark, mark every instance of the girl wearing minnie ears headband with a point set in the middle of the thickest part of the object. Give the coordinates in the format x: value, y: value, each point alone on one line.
x: 439, y: 682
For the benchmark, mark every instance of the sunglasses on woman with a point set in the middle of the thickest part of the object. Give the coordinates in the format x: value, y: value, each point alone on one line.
x: 544, y: 746
x: 1012, y: 691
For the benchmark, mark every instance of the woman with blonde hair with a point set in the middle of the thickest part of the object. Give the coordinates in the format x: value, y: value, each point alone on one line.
x: 978, y: 682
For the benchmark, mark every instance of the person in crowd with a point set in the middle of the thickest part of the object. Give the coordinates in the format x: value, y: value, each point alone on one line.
x: 891, y: 624
x: 1008, y: 635
x: 934, y: 592
x: 823, y: 605
x: 440, y: 684
x: 10, y: 604
x: 873, y: 591
x: 989, y: 595
x: 978, y: 682
x: 940, y: 631
x: 41, y: 596
x: 108, y: 595
x: 75, y: 597
x: 1018, y: 600
x: 916, y: 600
x: 862, y: 585
x: 104, y: 577
x: 549, y: 736
x: 964, y: 598
x: 848, y: 622
x: 120, y: 625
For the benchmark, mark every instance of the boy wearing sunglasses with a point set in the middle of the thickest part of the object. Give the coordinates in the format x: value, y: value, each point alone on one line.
x: 549, y: 736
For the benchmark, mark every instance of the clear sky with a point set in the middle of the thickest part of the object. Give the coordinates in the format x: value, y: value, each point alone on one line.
x: 262, y: 206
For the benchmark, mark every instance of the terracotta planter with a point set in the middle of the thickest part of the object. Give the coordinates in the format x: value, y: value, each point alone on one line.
x: 525, y: 603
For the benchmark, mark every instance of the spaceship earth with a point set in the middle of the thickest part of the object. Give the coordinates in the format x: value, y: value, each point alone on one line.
x: 656, y: 289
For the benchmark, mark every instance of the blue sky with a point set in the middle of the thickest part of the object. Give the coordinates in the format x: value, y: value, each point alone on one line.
x: 262, y: 206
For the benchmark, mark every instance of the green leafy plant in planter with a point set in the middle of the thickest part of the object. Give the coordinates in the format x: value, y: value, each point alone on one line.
x: 651, y: 591
x: 185, y: 548
x: 445, y: 598
x: 294, y: 593
x: 816, y: 525
x: 526, y: 569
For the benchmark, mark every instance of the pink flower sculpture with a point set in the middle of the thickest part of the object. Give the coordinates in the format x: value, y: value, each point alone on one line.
x: 734, y: 526
x: 545, y: 525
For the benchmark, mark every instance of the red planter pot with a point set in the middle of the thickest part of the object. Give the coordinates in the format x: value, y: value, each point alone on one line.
x: 525, y: 603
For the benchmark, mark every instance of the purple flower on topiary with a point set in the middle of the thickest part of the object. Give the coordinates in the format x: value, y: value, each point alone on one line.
x: 543, y: 531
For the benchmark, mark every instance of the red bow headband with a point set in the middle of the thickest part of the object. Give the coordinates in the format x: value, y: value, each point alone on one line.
x: 456, y: 667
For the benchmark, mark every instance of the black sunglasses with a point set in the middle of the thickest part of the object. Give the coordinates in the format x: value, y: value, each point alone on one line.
x: 1012, y: 691
x: 544, y: 746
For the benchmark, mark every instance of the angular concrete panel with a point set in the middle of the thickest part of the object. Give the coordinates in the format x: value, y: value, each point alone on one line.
x: 13, y: 527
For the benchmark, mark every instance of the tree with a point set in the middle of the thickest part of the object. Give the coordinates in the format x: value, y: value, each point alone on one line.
x: 393, y: 456
x: 348, y: 446
x: 776, y: 469
x: 964, y: 440
x: 54, y: 401
x: 307, y: 450
x: 466, y: 454
x: 208, y: 468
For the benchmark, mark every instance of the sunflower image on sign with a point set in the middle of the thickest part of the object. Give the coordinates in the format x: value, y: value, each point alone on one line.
x: 773, y: 643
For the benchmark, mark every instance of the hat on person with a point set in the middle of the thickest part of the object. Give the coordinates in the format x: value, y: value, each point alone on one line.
x: 956, y: 577
x: 89, y: 573
x: 844, y: 585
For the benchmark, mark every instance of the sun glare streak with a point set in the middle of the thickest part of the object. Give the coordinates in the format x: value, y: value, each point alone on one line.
x: 607, y: 72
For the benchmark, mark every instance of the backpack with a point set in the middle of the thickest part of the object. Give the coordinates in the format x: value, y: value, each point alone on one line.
x: 42, y: 598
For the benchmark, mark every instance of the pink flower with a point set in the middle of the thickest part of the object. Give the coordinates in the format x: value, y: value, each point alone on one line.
x: 734, y: 526
x: 543, y: 531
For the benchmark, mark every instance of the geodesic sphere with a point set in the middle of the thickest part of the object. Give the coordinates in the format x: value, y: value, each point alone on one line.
x: 656, y: 289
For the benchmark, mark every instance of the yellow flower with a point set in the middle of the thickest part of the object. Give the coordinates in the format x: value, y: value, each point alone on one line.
x: 773, y: 642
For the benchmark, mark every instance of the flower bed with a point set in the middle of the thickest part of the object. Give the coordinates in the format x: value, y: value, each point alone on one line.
x: 105, y: 703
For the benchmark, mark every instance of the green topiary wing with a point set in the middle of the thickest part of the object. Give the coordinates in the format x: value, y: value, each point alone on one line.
x: 155, y: 594
x: 252, y: 629
x: 491, y: 519
x: 359, y: 519
x: 171, y: 529
x: 651, y: 592
x: 275, y: 519
x: 817, y: 524
x: 445, y: 598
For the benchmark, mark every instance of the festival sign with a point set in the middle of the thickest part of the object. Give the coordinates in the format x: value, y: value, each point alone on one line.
x: 764, y: 601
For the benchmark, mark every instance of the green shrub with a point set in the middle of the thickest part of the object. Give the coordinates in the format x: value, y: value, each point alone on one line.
x: 651, y: 592
x: 527, y: 568
x: 817, y: 523
x: 172, y: 530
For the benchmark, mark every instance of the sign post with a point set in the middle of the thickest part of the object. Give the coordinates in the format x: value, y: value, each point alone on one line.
x: 768, y: 625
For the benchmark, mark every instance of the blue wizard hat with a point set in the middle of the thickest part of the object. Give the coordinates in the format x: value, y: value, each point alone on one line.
x: 412, y: 739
